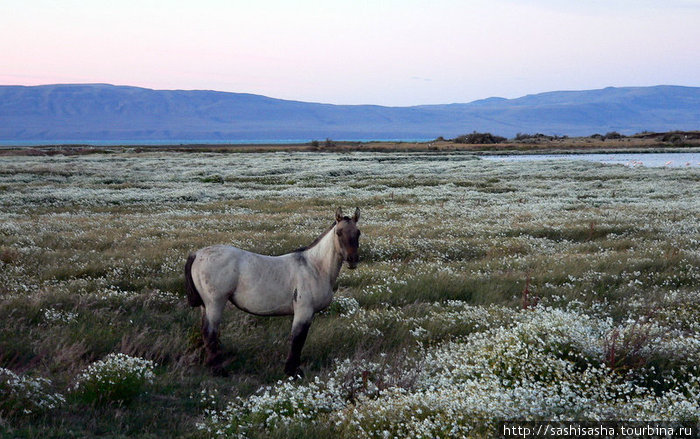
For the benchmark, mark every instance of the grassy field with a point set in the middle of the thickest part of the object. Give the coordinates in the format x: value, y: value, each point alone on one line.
x: 485, y: 291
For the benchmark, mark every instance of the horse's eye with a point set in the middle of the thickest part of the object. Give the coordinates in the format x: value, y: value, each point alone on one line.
x: 339, y: 232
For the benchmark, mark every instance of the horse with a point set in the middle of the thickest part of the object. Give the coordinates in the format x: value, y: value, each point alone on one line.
x: 300, y: 283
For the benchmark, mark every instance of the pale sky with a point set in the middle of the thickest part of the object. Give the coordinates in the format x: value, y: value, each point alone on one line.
x: 394, y: 52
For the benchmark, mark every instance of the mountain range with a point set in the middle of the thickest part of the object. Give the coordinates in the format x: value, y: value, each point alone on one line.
x: 85, y: 112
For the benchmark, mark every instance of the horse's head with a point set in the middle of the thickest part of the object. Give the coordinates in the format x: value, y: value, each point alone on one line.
x: 347, y: 237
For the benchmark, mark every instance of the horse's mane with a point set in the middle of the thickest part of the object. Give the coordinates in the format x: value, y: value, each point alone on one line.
x: 317, y: 240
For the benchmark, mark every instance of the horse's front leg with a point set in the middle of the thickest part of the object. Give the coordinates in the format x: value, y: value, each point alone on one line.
x: 300, y: 328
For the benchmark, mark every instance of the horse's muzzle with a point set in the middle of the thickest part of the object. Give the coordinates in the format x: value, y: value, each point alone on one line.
x: 352, y: 263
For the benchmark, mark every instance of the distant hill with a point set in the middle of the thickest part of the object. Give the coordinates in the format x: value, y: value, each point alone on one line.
x: 85, y: 112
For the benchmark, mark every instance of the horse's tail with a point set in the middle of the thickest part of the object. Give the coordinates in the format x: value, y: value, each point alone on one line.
x: 193, y: 296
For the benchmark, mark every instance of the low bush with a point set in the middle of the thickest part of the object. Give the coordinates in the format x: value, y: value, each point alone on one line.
x: 117, y: 377
x: 612, y: 135
x: 479, y: 138
x: 212, y: 179
x: 21, y: 395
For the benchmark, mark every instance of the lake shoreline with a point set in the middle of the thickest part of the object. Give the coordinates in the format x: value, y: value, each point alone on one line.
x: 579, y: 145
x: 665, y: 159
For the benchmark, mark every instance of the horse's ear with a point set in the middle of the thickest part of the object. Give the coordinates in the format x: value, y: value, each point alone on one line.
x: 356, y: 216
x: 339, y: 215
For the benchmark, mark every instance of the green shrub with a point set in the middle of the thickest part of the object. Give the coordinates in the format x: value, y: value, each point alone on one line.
x: 216, y: 178
x: 118, y: 377
x: 479, y: 138
x: 24, y: 395
x: 613, y: 135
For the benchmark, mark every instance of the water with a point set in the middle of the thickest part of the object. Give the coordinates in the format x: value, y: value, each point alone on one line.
x: 652, y: 159
x: 157, y: 142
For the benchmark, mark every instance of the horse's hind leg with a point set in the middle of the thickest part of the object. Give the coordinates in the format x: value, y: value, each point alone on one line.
x: 211, y: 318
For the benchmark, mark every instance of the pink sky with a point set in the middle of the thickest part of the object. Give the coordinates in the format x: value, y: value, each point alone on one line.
x: 397, y: 52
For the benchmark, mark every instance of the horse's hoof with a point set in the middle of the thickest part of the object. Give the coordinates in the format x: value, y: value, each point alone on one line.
x: 219, y: 371
x: 215, y: 359
x: 296, y: 374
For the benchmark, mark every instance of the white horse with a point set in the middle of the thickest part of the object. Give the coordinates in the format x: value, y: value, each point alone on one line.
x: 298, y: 283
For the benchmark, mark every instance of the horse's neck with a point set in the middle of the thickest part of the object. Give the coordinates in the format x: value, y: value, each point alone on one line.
x: 325, y: 257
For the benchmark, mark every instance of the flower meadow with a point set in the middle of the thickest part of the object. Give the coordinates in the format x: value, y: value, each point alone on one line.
x: 486, y: 291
